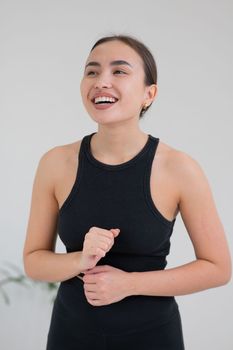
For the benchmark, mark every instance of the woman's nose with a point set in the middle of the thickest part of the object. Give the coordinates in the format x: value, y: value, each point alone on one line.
x: 103, y: 82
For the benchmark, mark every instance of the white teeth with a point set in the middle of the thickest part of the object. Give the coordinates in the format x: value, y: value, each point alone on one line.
x: 104, y: 99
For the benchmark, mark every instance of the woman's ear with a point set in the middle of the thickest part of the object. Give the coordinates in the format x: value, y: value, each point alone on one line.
x: 151, y: 93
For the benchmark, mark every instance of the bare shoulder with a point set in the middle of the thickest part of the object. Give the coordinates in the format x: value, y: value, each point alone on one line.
x: 195, y: 199
x: 60, y: 153
x: 180, y: 164
x: 185, y: 177
x: 55, y: 160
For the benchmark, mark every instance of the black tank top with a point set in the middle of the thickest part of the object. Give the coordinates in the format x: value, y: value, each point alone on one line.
x: 116, y: 196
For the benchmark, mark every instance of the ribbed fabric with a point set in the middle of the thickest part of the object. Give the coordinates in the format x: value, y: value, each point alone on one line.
x: 114, y: 196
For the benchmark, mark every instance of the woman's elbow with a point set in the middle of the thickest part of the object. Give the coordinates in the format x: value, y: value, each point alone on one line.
x: 227, y: 277
x: 28, y: 268
x: 225, y: 273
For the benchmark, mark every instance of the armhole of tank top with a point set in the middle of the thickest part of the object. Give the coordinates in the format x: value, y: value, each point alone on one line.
x: 77, y: 181
x: 147, y: 190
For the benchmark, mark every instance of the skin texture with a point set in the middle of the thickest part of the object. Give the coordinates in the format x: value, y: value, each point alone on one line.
x: 177, y: 183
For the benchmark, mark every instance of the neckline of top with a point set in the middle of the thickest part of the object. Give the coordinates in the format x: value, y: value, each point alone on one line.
x: 116, y: 166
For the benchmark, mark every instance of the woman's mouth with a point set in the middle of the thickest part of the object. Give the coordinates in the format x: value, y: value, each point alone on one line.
x: 104, y: 103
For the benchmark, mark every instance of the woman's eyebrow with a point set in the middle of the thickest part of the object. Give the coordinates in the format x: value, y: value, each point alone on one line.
x: 112, y: 63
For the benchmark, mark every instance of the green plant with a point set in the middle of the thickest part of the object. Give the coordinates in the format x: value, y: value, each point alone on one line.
x: 19, y: 278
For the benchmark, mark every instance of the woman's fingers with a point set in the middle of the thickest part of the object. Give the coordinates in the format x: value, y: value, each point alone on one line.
x: 96, y: 244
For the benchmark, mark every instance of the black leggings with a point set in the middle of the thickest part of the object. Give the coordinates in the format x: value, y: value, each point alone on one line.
x: 168, y: 336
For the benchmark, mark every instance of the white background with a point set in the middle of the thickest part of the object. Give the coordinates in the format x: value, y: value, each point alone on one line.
x: 43, y: 47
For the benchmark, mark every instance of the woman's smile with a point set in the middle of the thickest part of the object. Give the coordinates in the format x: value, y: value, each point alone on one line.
x: 102, y: 106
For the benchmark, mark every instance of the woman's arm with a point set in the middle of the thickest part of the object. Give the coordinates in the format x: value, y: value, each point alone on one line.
x: 212, y: 267
x: 40, y: 260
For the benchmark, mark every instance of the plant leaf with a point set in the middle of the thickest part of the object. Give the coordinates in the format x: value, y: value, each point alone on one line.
x: 5, y: 296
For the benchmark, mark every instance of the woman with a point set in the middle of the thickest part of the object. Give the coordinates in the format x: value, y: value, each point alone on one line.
x: 113, y: 197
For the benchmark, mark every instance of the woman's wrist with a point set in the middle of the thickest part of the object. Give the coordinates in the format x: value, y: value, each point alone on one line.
x: 78, y: 262
x: 131, y: 283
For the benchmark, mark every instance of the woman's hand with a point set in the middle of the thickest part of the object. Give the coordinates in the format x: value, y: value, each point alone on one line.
x: 105, y: 285
x: 97, y: 243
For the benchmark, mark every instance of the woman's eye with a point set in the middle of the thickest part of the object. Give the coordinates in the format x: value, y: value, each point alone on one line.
x: 116, y: 71
x: 119, y: 71
x: 89, y: 73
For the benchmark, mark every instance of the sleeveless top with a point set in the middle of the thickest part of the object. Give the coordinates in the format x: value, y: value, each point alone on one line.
x: 116, y: 196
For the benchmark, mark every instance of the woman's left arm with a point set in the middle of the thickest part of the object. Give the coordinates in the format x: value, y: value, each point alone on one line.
x: 212, y: 267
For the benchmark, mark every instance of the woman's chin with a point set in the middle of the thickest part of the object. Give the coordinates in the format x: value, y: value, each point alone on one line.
x: 103, y: 118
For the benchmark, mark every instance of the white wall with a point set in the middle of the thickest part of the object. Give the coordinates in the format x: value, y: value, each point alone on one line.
x: 43, y: 47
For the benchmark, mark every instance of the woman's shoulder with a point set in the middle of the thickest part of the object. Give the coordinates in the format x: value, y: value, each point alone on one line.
x: 55, y: 162
x: 179, y: 162
x: 61, y: 152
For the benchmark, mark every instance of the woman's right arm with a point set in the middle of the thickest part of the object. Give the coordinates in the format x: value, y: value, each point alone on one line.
x: 39, y: 257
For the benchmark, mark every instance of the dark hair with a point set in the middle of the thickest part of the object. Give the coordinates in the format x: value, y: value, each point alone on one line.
x: 149, y: 65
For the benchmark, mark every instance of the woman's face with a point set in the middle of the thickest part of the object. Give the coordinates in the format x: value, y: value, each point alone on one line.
x: 115, y: 69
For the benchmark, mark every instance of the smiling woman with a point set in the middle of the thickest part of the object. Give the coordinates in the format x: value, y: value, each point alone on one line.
x: 140, y: 64
x: 113, y: 197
